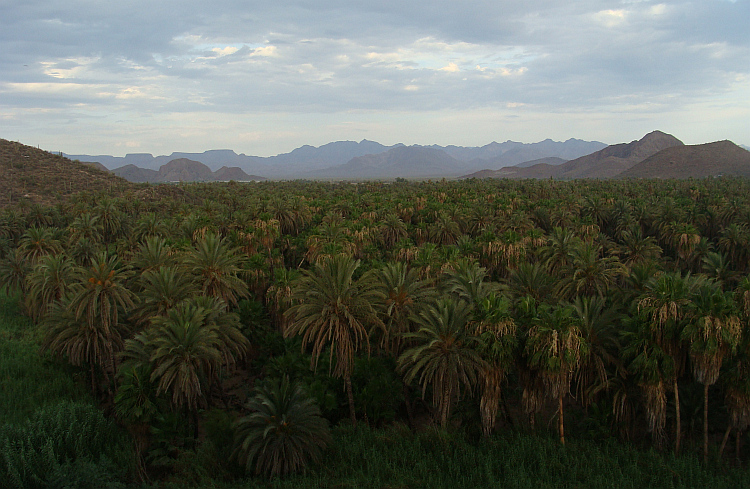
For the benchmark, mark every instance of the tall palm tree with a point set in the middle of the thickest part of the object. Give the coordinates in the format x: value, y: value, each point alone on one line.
x: 403, y: 294
x: 600, y: 325
x: 588, y: 273
x: 184, y: 354
x: 444, y: 354
x: 216, y: 268
x: 50, y: 280
x: 392, y: 230
x: 99, y: 296
x: 37, y: 243
x: 13, y: 271
x: 162, y: 289
x: 283, y: 432
x: 637, y: 249
x: 713, y: 332
x: 665, y: 302
x: 154, y: 252
x: 85, y: 226
x: 558, y: 253
x: 333, y: 309
x: 82, y: 342
x: 652, y: 368
x: 555, y: 347
x: 465, y: 280
x: 496, y: 330
x: 530, y: 279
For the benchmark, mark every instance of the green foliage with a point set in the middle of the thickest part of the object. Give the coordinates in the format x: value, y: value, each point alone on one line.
x: 284, y: 431
x: 377, y: 389
x: 63, y: 445
x: 28, y: 380
x: 360, y: 457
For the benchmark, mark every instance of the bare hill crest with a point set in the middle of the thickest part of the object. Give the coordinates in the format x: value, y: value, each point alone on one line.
x: 183, y: 170
x: 606, y: 163
x: 33, y: 175
x: 720, y: 158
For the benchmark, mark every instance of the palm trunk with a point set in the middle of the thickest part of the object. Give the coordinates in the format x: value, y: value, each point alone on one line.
x: 724, y: 440
x: 561, y: 424
x: 705, y: 423
x: 350, y: 396
x: 93, y: 382
x: 737, y: 445
x: 678, y: 423
x: 445, y: 408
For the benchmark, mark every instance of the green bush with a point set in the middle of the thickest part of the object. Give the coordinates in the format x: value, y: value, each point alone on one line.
x: 63, y: 445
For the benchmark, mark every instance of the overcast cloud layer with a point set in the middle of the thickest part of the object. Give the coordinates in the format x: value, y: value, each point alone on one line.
x: 88, y: 76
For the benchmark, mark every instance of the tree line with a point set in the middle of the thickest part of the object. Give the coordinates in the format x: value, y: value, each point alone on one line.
x: 531, y: 297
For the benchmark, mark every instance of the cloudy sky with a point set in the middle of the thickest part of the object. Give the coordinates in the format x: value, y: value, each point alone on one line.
x: 262, y: 78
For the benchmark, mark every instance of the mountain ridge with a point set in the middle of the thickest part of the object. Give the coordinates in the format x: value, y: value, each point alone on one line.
x: 306, y: 161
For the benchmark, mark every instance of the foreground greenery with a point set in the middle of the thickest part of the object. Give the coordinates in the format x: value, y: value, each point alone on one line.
x: 222, y: 341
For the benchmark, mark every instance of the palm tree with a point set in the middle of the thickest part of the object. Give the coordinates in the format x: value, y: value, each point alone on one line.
x: 530, y: 279
x: 637, y: 249
x: 331, y: 308
x: 98, y: 297
x: 588, y: 273
x: 283, y: 432
x: 713, y: 332
x: 153, y: 253
x: 651, y: 366
x: 404, y: 294
x: 558, y: 253
x: 555, y: 347
x: 496, y: 331
x: 161, y: 290
x: 110, y: 218
x: 445, y: 231
x: 37, y: 243
x: 736, y: 381
x: 216, y: 267
x: 183, y: 353
x: 600, y: 324
x: 444, y: 354
x: 665, y: 302
x: 13, y: 271
x: 392, y: 230
x: 48, y: 282
x: 465, y: 280
x: 82, y: 342
x: 85, y: 226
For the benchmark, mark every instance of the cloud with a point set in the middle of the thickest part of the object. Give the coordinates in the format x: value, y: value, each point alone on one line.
x: 146, y: 62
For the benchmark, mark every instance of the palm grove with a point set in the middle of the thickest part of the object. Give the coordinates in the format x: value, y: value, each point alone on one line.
x: 477, y: 305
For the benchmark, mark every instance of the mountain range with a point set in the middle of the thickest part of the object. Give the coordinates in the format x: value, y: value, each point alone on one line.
x: 330, y: 160
x: 656, y: 155
x: 183, y: 170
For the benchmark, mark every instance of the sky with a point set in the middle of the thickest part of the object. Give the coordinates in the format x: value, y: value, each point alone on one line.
x: 262, y: 78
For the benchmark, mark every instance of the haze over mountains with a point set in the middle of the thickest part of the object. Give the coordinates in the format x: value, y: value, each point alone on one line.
x: 665, y: 155
x: 338, y: 160
x: 183, y: 170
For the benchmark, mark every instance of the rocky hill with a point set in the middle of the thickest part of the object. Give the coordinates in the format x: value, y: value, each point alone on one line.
x: 36, y: 176
x: 606, y: 163
x: 184, y: 170
x: 721, y: 158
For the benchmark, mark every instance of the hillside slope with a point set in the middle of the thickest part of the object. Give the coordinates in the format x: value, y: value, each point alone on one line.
x: 606, y: 163
x: 721, y: 158
x: 37, y: 176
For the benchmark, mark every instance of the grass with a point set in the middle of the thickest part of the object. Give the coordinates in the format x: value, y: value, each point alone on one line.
x: 29, y: 380
x: 363, y: 458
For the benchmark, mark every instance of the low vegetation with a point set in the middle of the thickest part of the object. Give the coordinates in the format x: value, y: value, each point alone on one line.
x: 448, y: 334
